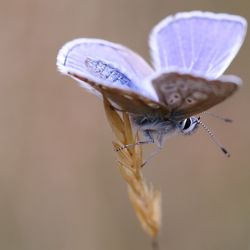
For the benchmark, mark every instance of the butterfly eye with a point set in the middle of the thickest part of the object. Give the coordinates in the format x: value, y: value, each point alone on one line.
x: 189, y: 125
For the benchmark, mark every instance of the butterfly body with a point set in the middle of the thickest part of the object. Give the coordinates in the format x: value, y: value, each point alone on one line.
x: 190, y: 51
x: 156, y: 128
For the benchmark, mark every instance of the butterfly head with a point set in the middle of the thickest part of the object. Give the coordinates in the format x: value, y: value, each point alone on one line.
x: 189, y: 125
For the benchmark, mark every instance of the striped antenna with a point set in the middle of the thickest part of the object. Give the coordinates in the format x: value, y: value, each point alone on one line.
x: 213, y: 138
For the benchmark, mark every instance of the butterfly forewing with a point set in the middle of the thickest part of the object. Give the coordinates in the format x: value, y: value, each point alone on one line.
x: 109, y: 63
x: 186, y: 95
x: 198, y: 42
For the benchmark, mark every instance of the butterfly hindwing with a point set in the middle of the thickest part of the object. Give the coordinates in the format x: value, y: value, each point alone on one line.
x: 186, y: 95
x: 126, y: 100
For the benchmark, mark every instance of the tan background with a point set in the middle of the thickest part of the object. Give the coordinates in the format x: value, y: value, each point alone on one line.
x: 59, y: 186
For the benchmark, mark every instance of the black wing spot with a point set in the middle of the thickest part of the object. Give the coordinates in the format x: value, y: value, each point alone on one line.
x: 190, y: 100
x: 174, y: 98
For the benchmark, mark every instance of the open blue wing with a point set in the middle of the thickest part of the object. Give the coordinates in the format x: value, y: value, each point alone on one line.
x: 106, y: 63
x: 197, y: 42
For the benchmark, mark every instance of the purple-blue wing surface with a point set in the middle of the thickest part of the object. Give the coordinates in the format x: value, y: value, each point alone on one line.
x: 197, y: 42
x: 107, y: 63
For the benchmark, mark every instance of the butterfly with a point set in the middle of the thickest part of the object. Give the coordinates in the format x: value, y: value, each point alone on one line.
x: 189, y: 51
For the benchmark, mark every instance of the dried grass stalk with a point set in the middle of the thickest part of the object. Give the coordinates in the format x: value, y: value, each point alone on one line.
x: 144, y: 198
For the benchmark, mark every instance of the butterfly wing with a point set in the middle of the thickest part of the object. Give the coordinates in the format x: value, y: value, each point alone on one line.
x: 108, y: 63
x: 197, y: 42
x: 126, y: 100
x: 186, y: 95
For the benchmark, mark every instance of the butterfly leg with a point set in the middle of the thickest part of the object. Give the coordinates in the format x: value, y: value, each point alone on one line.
x: 147, y: 135
x: 151, y: 156
x: 150, y: 135
x: 133, y: 145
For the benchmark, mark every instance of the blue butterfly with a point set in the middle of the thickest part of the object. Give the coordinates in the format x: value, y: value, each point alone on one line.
x: 190, y: 51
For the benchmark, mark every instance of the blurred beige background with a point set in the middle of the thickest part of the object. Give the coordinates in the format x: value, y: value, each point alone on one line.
x: 59, y: 186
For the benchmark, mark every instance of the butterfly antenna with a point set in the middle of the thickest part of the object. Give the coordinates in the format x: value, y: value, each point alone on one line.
x: 213, y: 138
x: 225, y: 119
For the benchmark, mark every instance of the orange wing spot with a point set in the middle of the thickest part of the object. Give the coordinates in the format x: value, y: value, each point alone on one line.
x: 128, y: 97
x: 153, y: 105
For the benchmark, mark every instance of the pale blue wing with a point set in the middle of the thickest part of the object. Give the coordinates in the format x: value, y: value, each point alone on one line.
x: 106, y: 63
x: 197, y: 42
